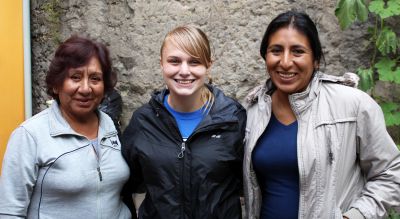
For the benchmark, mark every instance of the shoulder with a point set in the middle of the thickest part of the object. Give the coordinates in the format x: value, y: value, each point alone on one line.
x: 224, y: 102
x: 106, y: 122
x: 143, y: 111
x: 344, y: 100
x: 38, y: 121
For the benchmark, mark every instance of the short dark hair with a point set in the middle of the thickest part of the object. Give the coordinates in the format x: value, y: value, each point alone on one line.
x: 299, y: 21
x: 76, y: 52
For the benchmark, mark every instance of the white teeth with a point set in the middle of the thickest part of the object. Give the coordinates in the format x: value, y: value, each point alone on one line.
x: 184, y: 81
x: 286, y: 74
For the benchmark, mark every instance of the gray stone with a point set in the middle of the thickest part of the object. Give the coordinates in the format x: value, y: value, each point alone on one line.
x: 134, y: 30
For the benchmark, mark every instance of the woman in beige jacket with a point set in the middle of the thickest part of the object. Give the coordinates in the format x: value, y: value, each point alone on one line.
x: 315, y: 148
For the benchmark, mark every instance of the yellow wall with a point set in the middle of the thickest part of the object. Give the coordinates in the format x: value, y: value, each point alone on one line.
x: 11, y: 69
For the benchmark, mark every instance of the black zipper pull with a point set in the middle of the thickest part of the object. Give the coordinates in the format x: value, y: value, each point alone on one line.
x: 100, y: 176
x: 182, y: 152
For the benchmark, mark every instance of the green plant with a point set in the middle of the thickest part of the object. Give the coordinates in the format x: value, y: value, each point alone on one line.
x: 52, y: 13
x: 393, y: 215
x: 385, y: 60
x: 385, y: 43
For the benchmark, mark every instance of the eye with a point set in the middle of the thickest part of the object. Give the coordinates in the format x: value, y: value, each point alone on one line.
x: 173, y: 61
x: 275, y: 50
x: 194, y: 62
x: 96, y: 77
x: 75, y: 77
x: 298, y: 51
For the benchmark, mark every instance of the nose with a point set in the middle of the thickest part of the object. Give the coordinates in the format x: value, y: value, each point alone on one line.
x: 184, y: 70
x: 84, y: 87
x: 286, y: 60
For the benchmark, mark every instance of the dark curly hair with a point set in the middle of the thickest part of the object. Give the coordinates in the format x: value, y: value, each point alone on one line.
x: 76, y: 52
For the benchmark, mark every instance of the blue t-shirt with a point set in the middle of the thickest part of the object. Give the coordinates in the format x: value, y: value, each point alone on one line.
x: 187, y: 122
x: 275, y: 163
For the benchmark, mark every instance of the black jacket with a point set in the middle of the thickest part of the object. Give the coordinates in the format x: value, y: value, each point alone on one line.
x: 204, y: 180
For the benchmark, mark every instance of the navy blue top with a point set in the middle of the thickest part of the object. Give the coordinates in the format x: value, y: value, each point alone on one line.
x: 187, y: 122
x: 275, y: 163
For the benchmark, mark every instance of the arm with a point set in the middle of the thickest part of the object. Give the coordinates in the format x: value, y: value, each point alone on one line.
x: 128, y: 152
x: 379, y: 162
x: 242, y: 117
x: 19, y: 174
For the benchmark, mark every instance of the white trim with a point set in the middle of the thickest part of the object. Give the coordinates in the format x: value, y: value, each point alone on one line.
x: 27, y: 58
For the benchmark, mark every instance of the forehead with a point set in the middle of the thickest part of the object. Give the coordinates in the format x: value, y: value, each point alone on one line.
x: 171, y: 49
x: 288, y: 35
x: 92, y: 65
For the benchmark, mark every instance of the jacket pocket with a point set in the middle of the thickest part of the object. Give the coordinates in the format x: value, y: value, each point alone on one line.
x: 332, y: 133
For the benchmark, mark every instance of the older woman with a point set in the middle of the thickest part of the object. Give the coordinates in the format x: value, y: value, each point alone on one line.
x: 66, y: 161
x: 314, y: 147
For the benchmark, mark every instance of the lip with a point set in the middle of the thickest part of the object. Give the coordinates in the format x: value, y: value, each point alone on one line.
x: 184, y: 82
x: 84, y: 102
x: 286, y: 76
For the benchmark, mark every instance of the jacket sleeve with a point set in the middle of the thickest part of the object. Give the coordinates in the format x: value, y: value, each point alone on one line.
x: 129, y: 153
x: 379, y: 160
x: 19, y: 174
x: 242, y: 117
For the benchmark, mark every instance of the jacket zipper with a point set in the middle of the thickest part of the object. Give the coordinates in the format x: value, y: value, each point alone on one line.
x: 98, y: 164
x: 182, y: 152
x: 181, y: 156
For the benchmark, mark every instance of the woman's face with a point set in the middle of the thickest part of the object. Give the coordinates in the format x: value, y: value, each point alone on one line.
x: 183, y: 74
x: 289, y: 60
x: 82, y: 90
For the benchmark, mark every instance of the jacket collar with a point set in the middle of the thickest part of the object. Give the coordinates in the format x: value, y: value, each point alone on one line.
x: 301, y: 101
x: 59, y: 126
x: 219, y: 112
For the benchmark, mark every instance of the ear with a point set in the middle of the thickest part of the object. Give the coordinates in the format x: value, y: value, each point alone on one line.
x: 316, y: 65
x: 210, y: 64
x: 161, y: 63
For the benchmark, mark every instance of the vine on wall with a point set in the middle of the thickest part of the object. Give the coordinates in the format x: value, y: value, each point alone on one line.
x: 385, y: 43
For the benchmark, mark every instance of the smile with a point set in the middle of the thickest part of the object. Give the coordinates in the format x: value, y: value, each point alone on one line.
x: 286, y: 75
x: 184, y: 81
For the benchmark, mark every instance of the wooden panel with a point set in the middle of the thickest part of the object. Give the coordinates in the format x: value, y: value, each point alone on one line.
x: 11, y: 70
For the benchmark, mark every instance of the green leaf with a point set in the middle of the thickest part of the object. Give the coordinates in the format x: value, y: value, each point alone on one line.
x: 378, y: 7
x: 392, y: 113
x: 387, y: 41
x: 348, y: 11
x: 366, y: 78
x: 397, y: 76
x: 385, y: 70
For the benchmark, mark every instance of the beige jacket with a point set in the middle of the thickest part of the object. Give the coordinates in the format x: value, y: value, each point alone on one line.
x: 348, y: 163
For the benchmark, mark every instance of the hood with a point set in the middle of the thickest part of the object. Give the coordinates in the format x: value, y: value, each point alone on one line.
x: 348, y: 79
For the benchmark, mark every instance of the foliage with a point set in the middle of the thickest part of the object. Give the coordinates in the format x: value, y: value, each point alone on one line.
x: 393, y: 215
x: 385, y: 60
x: 52, y: 13
x: 385, y: 43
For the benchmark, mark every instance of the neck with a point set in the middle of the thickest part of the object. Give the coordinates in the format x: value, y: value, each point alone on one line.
x: 87, y: 126
x: 281, y: 107
x: 185, y: 104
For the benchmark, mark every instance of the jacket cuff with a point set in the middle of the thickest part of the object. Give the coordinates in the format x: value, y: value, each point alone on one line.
x: 353, y: 213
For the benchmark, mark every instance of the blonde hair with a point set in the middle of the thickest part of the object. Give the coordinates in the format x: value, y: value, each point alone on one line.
x: 194, y: 42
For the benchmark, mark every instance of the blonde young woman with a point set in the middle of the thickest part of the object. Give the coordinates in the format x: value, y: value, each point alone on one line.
x: 186, y: 144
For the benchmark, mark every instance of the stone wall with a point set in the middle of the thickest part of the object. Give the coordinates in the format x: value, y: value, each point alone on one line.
x: 134, y: 30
